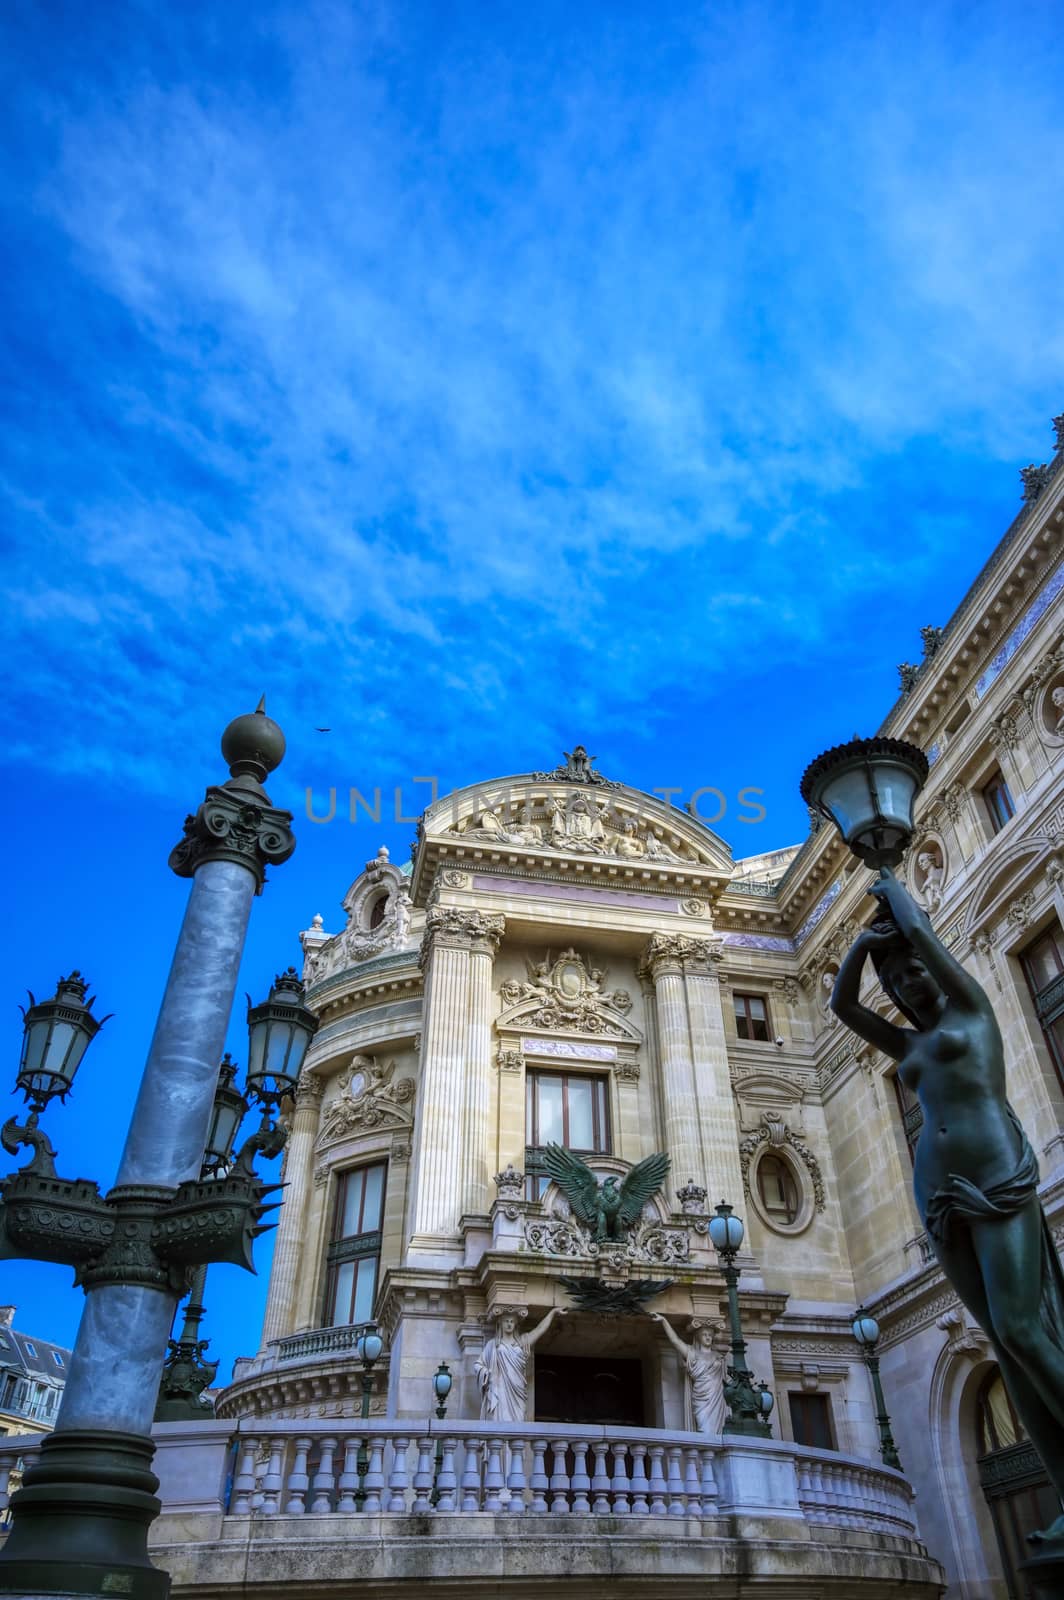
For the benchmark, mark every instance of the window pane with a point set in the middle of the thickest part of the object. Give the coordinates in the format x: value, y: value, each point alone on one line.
x: 581, y: 1115
x: 1043, y: 962
x: 367, y: 1281
x: 351, y: 1207
x: 549, y: 1095
x: 371, y: 1211
x: 345, y: 1282
x: 757, y: 1007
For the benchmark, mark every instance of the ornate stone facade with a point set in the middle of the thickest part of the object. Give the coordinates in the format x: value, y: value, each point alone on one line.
x: 539, y: 975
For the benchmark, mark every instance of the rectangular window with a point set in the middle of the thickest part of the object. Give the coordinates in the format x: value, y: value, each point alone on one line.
x: 811, y: 1420
x: 566, y: 1108
x: 31, y: 1349
x: 751, y: 1017
x: 354, y: 1254
x: 1043, y: 967
x: 998, y: 802
x: 57, y: 1358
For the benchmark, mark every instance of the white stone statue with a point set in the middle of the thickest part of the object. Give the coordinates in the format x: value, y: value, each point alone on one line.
x: 503, y: 1369
x: 930, y: 865
x: 402, y: 915
x: 705, y: 1372
x: 1057, y: 697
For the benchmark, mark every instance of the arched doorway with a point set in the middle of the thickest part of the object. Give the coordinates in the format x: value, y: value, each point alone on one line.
x: 1012, y: 1478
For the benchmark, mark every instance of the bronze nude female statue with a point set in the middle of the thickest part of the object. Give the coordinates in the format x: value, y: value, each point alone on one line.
x: 976, y: 1176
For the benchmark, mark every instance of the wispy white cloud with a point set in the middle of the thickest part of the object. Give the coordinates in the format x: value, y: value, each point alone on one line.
x: 428, y: 364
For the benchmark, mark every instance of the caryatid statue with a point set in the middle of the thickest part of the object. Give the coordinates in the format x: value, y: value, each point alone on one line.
x: 704, y: 1366
x: 975, y: 1175
x: 503, y: 1369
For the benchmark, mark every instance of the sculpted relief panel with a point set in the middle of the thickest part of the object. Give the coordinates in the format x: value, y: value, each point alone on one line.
x: 574, y: 821
x: 567, y: 993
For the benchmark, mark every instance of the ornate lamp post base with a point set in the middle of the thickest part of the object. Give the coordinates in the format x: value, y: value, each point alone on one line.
x: 85, y: 1507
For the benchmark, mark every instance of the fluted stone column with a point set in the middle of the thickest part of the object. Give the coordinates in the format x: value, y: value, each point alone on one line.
x: 698, y: 1111
x: 292, y: 1231
x: 476, y: 1111
x: 663, y: 961
x: 717, y: 1123
x: 446, y: 957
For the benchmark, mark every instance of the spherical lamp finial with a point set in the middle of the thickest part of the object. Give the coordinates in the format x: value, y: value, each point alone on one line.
x: 253, y: 745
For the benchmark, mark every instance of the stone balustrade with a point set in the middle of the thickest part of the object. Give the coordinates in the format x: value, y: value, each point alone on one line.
x: 435, y: 1468
x: 515, y: 1504
x: 317, y: 1341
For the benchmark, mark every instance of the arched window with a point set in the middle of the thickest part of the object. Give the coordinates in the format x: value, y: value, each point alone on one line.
x: 777, y: 1188
x: 1012, y: 1477
x: 377, y: 911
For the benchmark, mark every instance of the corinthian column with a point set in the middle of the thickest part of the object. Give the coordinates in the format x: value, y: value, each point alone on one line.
x: 476, y: 1111
x: 717, y: 1123
x: 698, y: 1109
x: 438, y: 1179
x: 291, y: 1231
x: 663, y: 962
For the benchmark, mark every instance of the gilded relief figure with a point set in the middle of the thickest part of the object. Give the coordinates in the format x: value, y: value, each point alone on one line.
x: 975, y: 1175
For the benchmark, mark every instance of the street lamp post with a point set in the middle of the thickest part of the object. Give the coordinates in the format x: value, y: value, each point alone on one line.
x: 186, y: 1373
x: 81, y: 1519
x: 866, y: 1332
x: 749, y: 1407
x: 368, y: 1347
x: 441, y: 1388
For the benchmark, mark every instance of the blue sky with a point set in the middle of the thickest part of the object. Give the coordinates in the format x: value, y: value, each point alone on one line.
x: 477, y: 379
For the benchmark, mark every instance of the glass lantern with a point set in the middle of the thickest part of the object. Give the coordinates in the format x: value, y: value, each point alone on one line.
x: 865, y: 1328
x: 227, y: 1113
x: 279, y: 1032
x: 56, y: 1035
x: 868, y: 788
x: 441, y: 1382
x: 369, y: 1345
x: 725, y: 1230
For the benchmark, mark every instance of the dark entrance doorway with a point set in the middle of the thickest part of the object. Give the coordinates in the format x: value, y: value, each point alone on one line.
x: 589, y: 1389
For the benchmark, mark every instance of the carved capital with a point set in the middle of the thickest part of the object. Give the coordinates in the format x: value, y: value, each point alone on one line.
x: 235, y: 823
x: 509, y: 1060
x: 1004, y: 733
x: 678, y: 953
x: 455, y: 928
x: 309, y: 1089
x: 628, y: 1071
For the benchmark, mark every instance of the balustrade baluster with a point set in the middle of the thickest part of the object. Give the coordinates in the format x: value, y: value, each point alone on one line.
x: 640, y: 1486
x: 447, y: 1478
x: 348, y: 1480
x: 493, y: 1479
x: 298, y: 1481
x: 559, y: 1481
x: 471, y: 1476
x: 515, y: 1479
x: 600, y: 1482
x: 323, y: 1478
x: 676, y: 1500
x: 709, y: 1481
x: 398, y: 1480
x: 692, y: 1482
x: 423, y: 1477
x: 581, y: 1483
x: 244, y: 1482
x: 538, y: 1480
x: 273, y: 1480
x: 657, y: 1481
x: 7, y: 1466
x: 621, y: 1500
x: 373, y: 1482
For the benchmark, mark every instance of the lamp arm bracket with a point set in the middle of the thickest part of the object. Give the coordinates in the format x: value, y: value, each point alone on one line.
x: 15, y: 1134
x: 269, y: 1140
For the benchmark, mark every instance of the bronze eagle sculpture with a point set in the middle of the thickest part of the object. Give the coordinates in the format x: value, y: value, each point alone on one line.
x: 608, y: 1209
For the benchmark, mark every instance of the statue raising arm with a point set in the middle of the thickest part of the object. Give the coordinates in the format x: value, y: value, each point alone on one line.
x: 534, y: 1335
x: 915, y: 927
x: 682, y: 1350
x: 865, y: 1022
